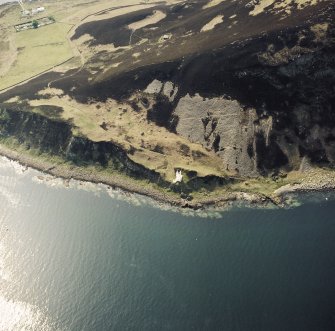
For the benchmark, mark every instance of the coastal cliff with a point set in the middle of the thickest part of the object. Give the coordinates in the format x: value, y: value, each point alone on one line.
x: 237, y: 95
x: 54, y: 137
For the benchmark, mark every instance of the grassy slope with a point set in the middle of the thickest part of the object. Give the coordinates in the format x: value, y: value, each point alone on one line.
x: 34, y: 51
x: 131, y: 130
x: 128, y: 129
x: 43, y: 48
x: 39, y: 50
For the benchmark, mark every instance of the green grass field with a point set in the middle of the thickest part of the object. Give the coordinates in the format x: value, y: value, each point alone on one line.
x: 28, y: 53
x: 38, y: 50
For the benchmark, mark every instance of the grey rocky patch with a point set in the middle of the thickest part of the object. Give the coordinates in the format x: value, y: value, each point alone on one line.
x: 170, y: 91
x: 167, y: 89
x: 154, y: 87
x: 225, y: 127
x: 305, y: 165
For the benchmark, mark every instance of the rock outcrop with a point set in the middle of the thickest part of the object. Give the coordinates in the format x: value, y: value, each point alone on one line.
x: 256, y: 89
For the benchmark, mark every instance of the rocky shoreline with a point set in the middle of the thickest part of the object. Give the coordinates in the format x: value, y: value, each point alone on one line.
x: 132, y: 110
x: 81, y: 174
x: 313, y: 181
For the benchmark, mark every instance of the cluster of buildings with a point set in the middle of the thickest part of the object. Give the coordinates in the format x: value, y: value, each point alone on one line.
x: 34, y: 24
x: 32, y: 12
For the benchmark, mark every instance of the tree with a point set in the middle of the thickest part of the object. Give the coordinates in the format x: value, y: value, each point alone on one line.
x: 35, y: 24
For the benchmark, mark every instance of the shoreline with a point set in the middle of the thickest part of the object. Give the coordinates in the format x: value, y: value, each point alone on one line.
x: 129, y: 185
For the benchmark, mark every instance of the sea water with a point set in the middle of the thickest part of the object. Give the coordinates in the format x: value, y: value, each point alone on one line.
x: 77, y: 256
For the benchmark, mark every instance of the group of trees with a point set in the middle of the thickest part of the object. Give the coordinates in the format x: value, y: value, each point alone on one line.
x: 36, y: 25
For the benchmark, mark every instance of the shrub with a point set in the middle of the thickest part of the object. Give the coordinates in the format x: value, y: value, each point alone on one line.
x: 35, y: 24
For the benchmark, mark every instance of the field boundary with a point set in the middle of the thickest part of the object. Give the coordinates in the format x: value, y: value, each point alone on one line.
x: 35, y: 76
x: 72, y: 26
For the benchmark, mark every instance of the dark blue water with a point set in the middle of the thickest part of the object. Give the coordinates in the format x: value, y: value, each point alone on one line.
x: 76, y: 259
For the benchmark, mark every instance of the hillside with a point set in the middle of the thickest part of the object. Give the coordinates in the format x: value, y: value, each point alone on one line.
x: 239, y: 95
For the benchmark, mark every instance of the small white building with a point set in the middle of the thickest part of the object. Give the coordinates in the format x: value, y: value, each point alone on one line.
x: 37, y: 10
x: 179, y: 177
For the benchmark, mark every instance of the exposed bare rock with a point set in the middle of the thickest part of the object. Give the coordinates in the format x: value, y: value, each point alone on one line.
x: 154, y: 87
x: 223, y: 90
x: 305, y: 165
x: 170, y: 91
x: 224, y: 126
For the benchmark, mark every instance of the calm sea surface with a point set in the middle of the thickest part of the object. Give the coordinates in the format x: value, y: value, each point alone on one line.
x: 85, y: 258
